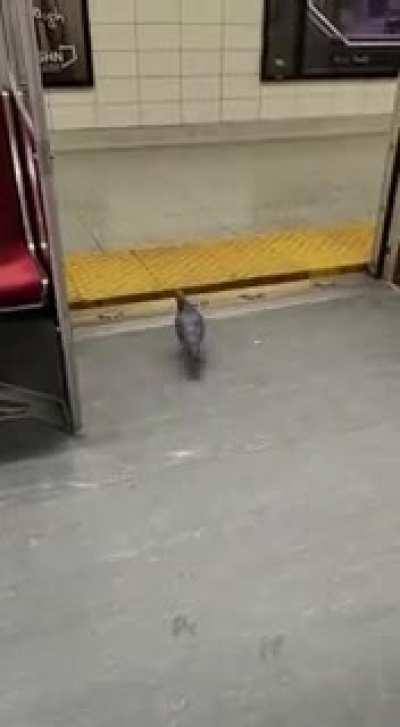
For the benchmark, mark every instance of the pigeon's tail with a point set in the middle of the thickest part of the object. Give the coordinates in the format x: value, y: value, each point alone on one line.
x: 193, y: 358
x: 193, y: 349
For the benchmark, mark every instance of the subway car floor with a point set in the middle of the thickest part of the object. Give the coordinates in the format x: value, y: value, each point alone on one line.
x: 277, y: 206
x: 222, y: 551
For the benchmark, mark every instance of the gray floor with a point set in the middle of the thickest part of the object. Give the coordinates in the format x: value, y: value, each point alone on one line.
x: 223, y: 552
x: 113, y: 199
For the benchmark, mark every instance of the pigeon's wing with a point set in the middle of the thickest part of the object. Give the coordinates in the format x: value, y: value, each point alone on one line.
x: 179, y: 328
x: 197, y: 324
x: 190, y: 329
x: 193, y: 331
x: 202, y: 327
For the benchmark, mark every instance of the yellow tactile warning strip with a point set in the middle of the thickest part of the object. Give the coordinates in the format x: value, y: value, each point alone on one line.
x: 153, y: 273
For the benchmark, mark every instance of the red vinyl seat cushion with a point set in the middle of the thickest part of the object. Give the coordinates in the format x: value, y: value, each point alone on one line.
x: 20, y: 276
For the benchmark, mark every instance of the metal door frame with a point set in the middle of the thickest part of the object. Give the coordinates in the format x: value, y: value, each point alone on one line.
x: 20, y: 70
x: 385, y: 257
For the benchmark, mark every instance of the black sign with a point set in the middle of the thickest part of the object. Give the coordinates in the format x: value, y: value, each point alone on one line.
x: 62, y: 32
x: 331, y: 38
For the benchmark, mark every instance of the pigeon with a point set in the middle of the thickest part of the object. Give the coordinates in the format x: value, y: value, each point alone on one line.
x: 190, y: 328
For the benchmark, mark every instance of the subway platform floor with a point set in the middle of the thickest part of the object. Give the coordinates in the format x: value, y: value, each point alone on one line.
x: 223, y: 551
x: 140, y: 223
x: 116, y: 199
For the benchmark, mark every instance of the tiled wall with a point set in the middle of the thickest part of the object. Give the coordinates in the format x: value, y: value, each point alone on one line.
x: 194, y: 61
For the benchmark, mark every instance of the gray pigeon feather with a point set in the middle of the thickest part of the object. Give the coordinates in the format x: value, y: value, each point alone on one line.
x: 190, y: 327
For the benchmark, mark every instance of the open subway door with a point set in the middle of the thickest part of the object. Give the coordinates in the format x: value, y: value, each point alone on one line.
x: 386, y: 250
x: 37, y: 374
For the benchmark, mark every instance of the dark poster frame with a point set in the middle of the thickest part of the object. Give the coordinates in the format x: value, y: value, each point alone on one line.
x: 298, y: 33
x: 71, y: 76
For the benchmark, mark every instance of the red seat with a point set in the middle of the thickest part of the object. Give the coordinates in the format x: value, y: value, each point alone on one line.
x: 23, y: 283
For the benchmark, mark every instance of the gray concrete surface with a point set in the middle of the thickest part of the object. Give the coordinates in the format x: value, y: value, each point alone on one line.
x: 223, y: 552
x: 117, y: 198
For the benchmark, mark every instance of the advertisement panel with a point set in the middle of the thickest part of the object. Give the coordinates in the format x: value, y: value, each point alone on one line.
x: 331, y: 39
x: 62, y: 32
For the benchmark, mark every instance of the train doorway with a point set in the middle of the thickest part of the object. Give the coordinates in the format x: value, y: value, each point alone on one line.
x: 37, y: 371
x: 386, y: 250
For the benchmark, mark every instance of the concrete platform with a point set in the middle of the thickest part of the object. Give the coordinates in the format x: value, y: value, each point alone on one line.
x: 140, y: 223
x: 222, y: 552
x: 112, y: 199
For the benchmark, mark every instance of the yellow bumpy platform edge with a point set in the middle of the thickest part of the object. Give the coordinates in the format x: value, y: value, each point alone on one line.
x: 153, y: 273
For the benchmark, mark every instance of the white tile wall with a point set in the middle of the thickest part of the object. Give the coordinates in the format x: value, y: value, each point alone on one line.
x: 194, y: 61
x: 112, y: 37
x: 73, y: 117
x: 201, y: 112
x: 201, y: 89
x: 158, y: 11
x: 114, y: 64
x: 240, y: 109
x: 243, y: 37
x: 237, y: 63
x: 162, y: 64
x: 112, y: 11
x: 71, y: 98
x: 202, y: 11
x: 243, y: 11
x: 116, y: 90
x: 160, y: 114
x: 158, y: 37
x: 117, y: 115
x: 201, y: 63
x: 241, y: 87
x: 201, y: 37
x: 160, y: 89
